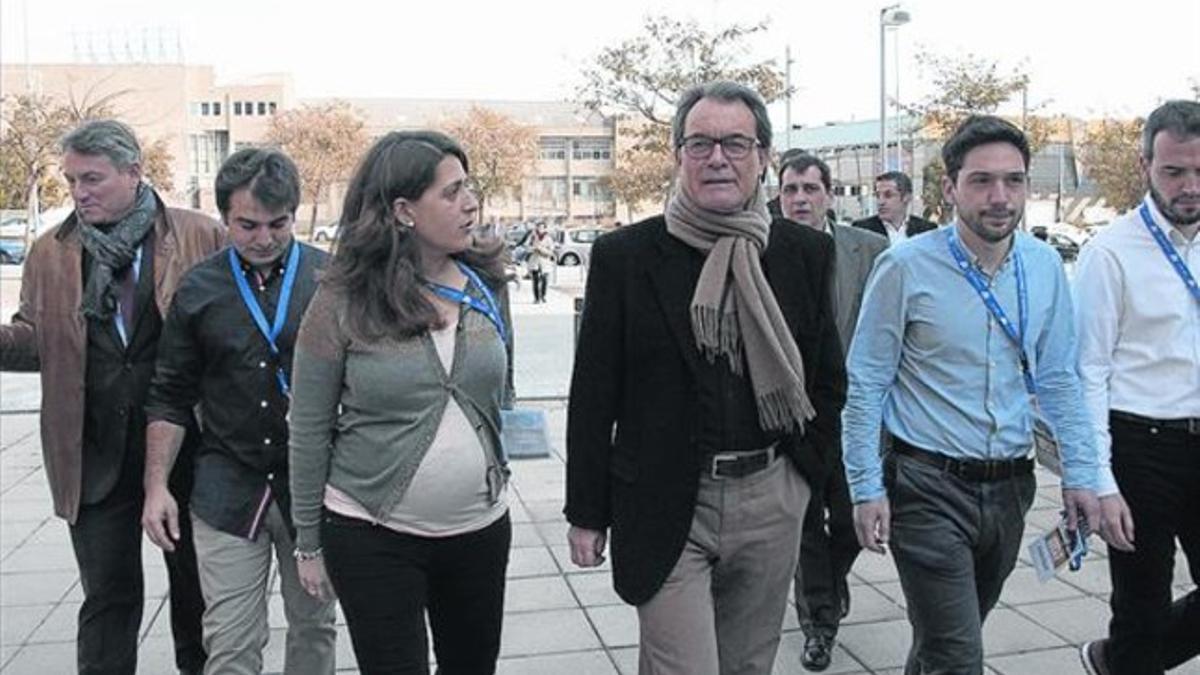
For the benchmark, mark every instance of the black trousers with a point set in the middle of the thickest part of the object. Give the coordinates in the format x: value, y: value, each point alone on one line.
x: 828, y: 548
x: 1158, y: 472
x: 107, y: 540
x: 386, y: 581
x: 540, y: 281
x: 954, y: 542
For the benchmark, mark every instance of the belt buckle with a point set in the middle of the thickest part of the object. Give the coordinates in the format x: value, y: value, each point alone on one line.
x: 717, y: 460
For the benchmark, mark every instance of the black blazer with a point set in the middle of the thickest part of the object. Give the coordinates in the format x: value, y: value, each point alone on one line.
x: 916, y: 225
x: 634, y: 453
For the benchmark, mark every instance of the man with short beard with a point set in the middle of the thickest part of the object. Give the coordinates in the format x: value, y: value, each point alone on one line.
x: 958, y: 328
x: 1139, y: 359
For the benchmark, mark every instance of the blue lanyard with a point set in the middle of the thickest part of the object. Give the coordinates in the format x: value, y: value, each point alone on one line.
x: 490, y: 308
x: 281, y: 308
x: 1168, y: 250
x: 1017, y: 335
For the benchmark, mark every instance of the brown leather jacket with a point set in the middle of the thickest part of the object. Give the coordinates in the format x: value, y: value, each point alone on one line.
x: 48, y: 332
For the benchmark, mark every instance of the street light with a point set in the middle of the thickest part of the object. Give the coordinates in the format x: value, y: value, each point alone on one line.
x: 891, y: 16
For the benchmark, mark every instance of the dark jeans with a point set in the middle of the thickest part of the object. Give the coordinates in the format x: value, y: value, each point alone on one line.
x: 540, y: 281
x: 386, y: 581
x: 954, y: 542
x: 1158, y: 471
x: 107, y: 539
x: 828, y: 547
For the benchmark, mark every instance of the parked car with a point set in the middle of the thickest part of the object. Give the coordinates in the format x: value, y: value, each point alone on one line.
x: 1067, y: 248
x: 575, y: 245
x: 12, y: 251
x: 327, y: 233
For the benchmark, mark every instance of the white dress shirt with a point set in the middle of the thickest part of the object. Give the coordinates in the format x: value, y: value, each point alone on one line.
x: 1139, y: 328
x: 896, y: 235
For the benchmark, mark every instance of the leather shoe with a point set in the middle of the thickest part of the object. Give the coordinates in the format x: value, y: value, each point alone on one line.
x: 818, y: 652
x: 1094, y: 655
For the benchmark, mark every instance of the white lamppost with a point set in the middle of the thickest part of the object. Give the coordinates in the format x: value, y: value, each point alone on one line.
x: 891, y: 16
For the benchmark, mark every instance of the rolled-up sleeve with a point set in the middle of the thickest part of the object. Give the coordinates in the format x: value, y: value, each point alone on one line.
x: 179, y: 367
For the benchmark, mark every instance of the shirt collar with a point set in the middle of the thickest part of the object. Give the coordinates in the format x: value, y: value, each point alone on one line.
x: 1161, y: 221
x: 974, y: 259
x: 276, y: 270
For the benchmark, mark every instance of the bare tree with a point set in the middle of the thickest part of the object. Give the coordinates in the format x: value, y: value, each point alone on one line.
x: 326, y: 142
x: 500, y: 150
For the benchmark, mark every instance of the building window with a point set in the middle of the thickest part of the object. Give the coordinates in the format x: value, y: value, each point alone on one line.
x: 237, y: 107
x: 216, y: 108
x: 592, y: 149
x: 204, y: 109
x: 248, y: 107
x: 206, y: 151
x: 271, y: 107
x: 550, y: 191
x: 552, y: 148
x: 590, y: 189
x: 262, y: 108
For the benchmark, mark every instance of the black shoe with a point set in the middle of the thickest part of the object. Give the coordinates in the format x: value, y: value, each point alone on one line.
x: 1094, y: 655
x: 818, y: 652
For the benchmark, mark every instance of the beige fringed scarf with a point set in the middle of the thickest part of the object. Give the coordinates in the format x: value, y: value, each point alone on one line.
x: 752, y: 321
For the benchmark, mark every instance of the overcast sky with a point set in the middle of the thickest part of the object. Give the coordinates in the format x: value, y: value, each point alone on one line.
x: 1083, y: 60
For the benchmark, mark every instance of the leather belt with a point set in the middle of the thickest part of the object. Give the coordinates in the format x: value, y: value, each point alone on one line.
x: 1188, y: 425
x: 738, y: 464
x: 973, y: 470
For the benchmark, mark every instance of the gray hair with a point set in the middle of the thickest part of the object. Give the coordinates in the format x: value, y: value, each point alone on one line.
x: 723, y: 91
x: 113, y: 139
x: 1180, y: 118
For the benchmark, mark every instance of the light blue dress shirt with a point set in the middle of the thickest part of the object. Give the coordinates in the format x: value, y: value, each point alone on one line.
x: 930, y: 364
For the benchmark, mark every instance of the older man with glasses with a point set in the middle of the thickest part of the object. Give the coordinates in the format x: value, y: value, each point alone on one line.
x: 708, y: 379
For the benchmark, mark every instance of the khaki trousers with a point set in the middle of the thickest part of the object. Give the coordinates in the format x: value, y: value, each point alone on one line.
x: 720, y: 611
x: 234, y: 577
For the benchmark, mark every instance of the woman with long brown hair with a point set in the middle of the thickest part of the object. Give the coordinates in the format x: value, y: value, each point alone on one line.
x: 402, y: 366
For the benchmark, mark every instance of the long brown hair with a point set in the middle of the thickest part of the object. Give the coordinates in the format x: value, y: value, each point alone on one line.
x: 376, y: 262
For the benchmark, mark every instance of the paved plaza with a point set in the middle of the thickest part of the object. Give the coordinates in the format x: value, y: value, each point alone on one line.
x: 559, y: 619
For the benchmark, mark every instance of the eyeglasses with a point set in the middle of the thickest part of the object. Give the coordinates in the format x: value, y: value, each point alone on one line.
x: 735, y: 146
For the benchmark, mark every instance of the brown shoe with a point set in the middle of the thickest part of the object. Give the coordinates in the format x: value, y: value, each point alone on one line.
x: 1094, y: 655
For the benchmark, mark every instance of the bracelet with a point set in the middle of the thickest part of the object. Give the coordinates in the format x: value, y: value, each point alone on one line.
x: 305, y: 556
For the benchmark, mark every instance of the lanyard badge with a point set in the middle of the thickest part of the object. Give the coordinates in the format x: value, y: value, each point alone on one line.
x: 1168, y: 250
x: 488, y: 307
x: 270, y: 333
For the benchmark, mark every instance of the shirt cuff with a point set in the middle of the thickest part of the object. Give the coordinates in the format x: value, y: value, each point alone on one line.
x: 1106, y: 484
x: 868, y: 491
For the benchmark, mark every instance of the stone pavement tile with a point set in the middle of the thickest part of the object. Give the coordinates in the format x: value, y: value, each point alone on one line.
x: 545, y: 509
x: 1007, y: 632
x: 13, y: 535
x: 1022, y: 587
x: 873, y: 568
x: 893, y: 590
x: 1043, y: 519
x: 156, y: 617
x: 617, y: 625
x: 1062, y: 661
x: 541, y: 490
x: 538, y: 593
x: 559, y: 630
x: 25, y: 511
x: 60, y: 624
x: 877, y: 645
x: 578, y: 663
x: 517, y: 512
x: 791, y: 647
x: 562, y: 554
x: 44, y: 658
x: 594, y: 590
x: 626, y: 660
x: 29, y: 558
x: 1092, y: 578
x: 6, y: 654
x: 553, y: 532
x: 20, y: 622
x: 35, y: 588
x: 156, y: 655
x: 1077, y: 619
x: 869, y: 604
x: 25, y: 492
x: 525, y: 535
x: 52, y: 532
x: 530, y: 562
